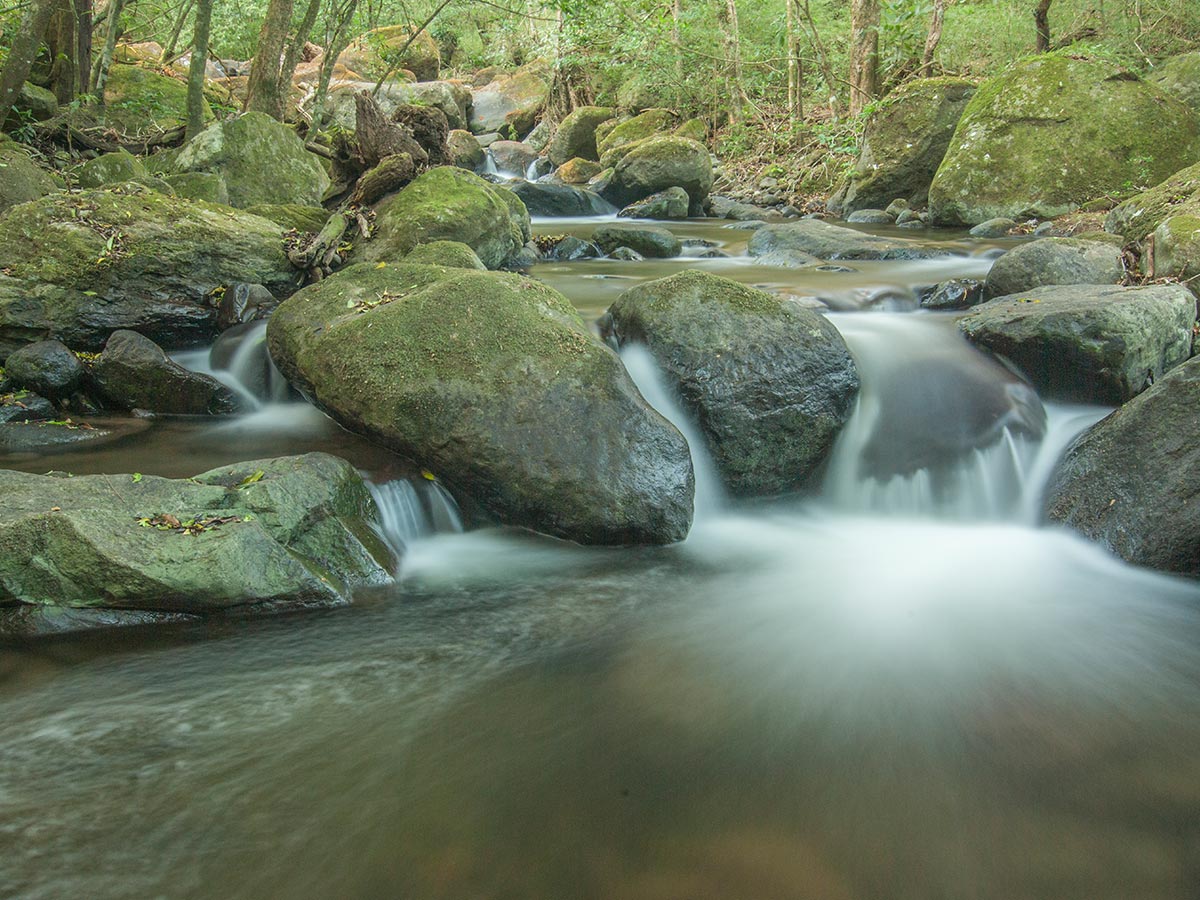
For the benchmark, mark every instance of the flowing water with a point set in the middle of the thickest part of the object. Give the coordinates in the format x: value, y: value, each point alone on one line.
x: 901, y: 687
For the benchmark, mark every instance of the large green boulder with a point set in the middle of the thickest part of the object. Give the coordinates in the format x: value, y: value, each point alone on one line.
x: 904, y: 142
x: 207, y: 186
x: 494, y: 383
x: 261, y: 161
x: 511, y: 103
x: 576, y: 134
x: 392, y: 49
x: 138, y: 101
x: 111, y: 168
x: 659, y: 163
x: 1177, y: 249
x: 21, y: 179
x: 651, y: 123
x: 78, y: 267
x: 1054, y: 132
x: 1179, y: 76
x: 1088, y: 343
x: 1132, y: 481
x: 770, y: 383
x: 1139, y: 216
x: 449, y: 204
x: 452, y: 99
x: 271, y: 534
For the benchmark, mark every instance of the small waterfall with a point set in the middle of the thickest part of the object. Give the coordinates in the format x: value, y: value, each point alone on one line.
x: 710, y: 495
x: 239, y: 359
x: 411, y: 509
x: 489, y: 163
x: 531, y: 171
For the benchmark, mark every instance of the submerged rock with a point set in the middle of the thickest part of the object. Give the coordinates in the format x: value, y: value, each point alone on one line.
x: 77, y: 267
x: 1054, y: 260
x: 1132, y: 481
x: 134, y: 373
x: 1088, y: 343
x: 648, y: 240
x: 770, y: 383
x: 827, y: 241
x: 1055, y: 131
x: 494, y: 383
x: 559, y: 200
x: 270, y: 534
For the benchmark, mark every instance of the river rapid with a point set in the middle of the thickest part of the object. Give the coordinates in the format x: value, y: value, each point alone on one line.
x: 904, y: 687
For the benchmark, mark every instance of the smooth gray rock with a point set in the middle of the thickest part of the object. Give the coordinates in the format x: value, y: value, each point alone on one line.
x: 47, y: 368
x: 835, y: 242
x: 1053, y: 260
x: 133, y: 372
x: 648, y: 240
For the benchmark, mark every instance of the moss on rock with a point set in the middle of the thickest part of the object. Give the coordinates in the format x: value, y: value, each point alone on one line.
x: 451, y: 254
x: 659, y: 163
x: 292, y: 215
x: 111, y: 168
x: 1179, y: 76
x: 376, y: 52
x: 137, y: 100
x: 21, y: 179
x: 576, y: 134
x: 1140, y: 215
x: 1177, y: 248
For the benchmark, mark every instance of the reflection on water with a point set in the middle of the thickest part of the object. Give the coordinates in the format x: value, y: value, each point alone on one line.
x: 848, y: 697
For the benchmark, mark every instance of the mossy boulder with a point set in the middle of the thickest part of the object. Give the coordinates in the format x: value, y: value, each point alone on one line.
x: 1054, y: 260
x: 659, y: 163
x: 673, y: 203
x: 1132, y: 481
x: 452, y: 99
x: 1177, y: 249
x: 464, y: 151
x: 904, y: 142
x: 1054, y: 132
x: 494, y: 383
x: 577, y: 171
x: 651, y: 123
x: 138, y: 100
x: 260, y: 159
x: 379, y: 51
x: 78, y: 267
x: 270, y: 534
x: 576, y: 134
x: 293, y: 216
x: 48, y: 368
x: 825, y: 241
x: 33, y: 103
x: 21, y: 179
x: 648, y: 240
x: 111, y: 168
x: 1179, y: 76
x: 1088, y: 343
x: 450, y: 204
x: 207, y: 186
x: 1140, y: 215
x: 770, y: 383
x: 450, y: 254
x: 511, y: 103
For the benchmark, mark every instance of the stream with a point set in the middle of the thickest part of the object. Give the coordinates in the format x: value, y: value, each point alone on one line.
x: 904, y: 687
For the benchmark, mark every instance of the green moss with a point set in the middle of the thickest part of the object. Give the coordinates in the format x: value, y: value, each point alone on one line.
x: 292, y: 215
x: 451, y: 254
x: 693, y: 290
x: 21, y: 179
x: 1142, y: 214
x: 138, y: 100
x: 640, y: 127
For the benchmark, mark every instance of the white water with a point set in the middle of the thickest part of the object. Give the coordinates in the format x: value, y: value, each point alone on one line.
x: 410, y: 510
x: 247, y: 368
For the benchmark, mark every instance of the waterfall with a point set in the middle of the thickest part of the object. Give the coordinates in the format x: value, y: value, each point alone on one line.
x: 489, y: 163
x: 411, y: 509
x: 645, y: 372
x: 239, y: 360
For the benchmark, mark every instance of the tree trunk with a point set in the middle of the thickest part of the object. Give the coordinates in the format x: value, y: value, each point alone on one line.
x: 336, y: 43
x: 1041, y: 20
x: 83, y: 45
x: 677, y: 48
x: 292, y: 57
x: 795, y: 65
x: 822, y: 58
x: 864, y: 53
x: 60, y: 38
x: 195, y: 91
x: 727, y: 20
x: 169, y: 49
x: 23, y: 51
x: 933, y: 38
x: 104, y: 62
x: 265, y: 93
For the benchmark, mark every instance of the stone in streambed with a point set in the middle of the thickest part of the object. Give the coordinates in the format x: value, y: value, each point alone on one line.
x: 673, y: 203
x: 134, y: 373
x: 827, y: 241
x: 559, y: 200
x: 576, y: 135
x: 770, y: 383
x: 1054, y: 261
x: 47, y: 368
x: 1088, y: 343
x: 648, y: 240
x: 494, y: 383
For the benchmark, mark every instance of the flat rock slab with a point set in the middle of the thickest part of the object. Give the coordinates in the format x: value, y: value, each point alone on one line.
x: 1088, y: 343
x: 835, y: 242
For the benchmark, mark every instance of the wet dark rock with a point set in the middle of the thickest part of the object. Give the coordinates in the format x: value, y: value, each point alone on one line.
x: 1054, y: 260
x: 835, y: 242
x: 1088, y: 343
x: 571, y: 248
x: 512, y: 156
x: 626, y: 254
x: 22, y: 406
x: 560, y: 200
x: 770, y: 382
x: 648, y: 240
x: 669, y: 204
x: 244, y: 302
x: 134, y: 373
x: 957, y: 293
x: 1132, y: 481
x: 47, y: 368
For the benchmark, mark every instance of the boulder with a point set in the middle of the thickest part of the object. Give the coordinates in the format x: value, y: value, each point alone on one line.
x: 559, y: 200
x: 1179, y: 76
x: 494, y: 383
x: 510, y: 103
x: 33, y: 104
x: 993, y: 228
x: 770, y: 383
x: 78, y: 267
x: 240, y: 303
x: 111, y: 168
x: 648, y: 240
x: 464, y: 151
x: 1132, y: 481
x: 835, y: 242
x: 1088, y: 343
x: 577, y: 171
x: 957, y: 293
x: 576, y: 134
x: 261, y: 161
x: 269, y: 535
x: 659, y: 163
x: 1140, y: 215
x: 512, y: 157
x: 138, y: 100
x: 1054, y: 260
x: 673, y: 203
x: 22, y: 406
x: 23, y: 179
x: 207, y: 186
x: 47, y: 368
x: 134, y: 373
x: 1054, y: 132
x: 571, y: 248
x: 1177, y: 249
x: 904, y: 141
x: 393, y: 49
x: 651, y: 123
x: 871, y: 217
x: 293, y: 216
x: 452, y: 99
x: 450, y: 254
x: 449, y: 204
